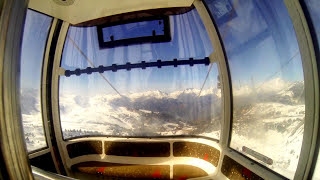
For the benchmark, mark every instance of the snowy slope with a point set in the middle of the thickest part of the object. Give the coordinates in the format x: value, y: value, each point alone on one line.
x: 268, y: 118
x: 270, y: 121
x: 150, y: 113
x: 32, y: 119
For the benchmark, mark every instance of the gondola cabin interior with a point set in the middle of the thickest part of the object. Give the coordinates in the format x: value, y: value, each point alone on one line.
x: 162, y: 89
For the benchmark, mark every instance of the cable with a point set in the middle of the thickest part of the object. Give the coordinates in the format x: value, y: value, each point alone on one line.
x: 91, y: 63
x: 205, y: 80
x: 223, y: 34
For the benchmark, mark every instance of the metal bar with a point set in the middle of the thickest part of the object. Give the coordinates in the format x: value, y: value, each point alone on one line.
x: 313, y: 33
x: 40, y: 174
x: 91, y: 63
x: 205, y: 80
x: 223, y: 69
x: 55, y: 95
x: 14, y: 159
x: 39, y: 153
x: 143, y: 65
x: 46, y: 92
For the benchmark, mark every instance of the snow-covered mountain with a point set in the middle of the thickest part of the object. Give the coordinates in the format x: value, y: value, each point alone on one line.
x: 29, y: 100
x: 149, y: 113
x: 268, y: 118
x: 32, y: 119
x: 275, y: 90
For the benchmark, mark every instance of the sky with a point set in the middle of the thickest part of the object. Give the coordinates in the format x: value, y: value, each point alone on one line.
x: 34, y: 40
x: 258, y: 51
x: 189, y: 39
x: 259, y: 40
x: 138, y: 29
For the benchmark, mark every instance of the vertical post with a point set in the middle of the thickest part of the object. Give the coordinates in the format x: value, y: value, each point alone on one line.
x: 55, y: 94
x: 14, y: 159
x: 218, y: 56
x: 311, y: 83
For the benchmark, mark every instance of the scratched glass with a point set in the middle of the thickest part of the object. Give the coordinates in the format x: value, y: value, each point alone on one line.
x: 267, y: 81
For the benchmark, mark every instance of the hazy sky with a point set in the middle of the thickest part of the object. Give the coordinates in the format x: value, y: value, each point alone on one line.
x: 33, y: 44
x: 260, y: 43
x: 189, y: 39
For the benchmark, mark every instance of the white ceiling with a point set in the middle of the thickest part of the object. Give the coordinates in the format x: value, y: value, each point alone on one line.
x: 78, y: 11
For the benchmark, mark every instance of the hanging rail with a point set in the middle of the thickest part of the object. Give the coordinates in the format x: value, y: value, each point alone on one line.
x: 143, y: 65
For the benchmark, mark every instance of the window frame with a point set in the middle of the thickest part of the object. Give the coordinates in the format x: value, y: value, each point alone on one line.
x: 60, y: 71
x: 309, y: 71
x: 225, y: 136
x: 312, y: 100
x: 166, y: 37
x: 315, y: 41
x: 14, y: 161
x: 311, y: 80
x: 46, y: 149
x: 45, y: 112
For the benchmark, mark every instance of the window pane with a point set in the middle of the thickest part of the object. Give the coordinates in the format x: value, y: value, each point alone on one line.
x: 267, y: 81
x: 33, y: 45
x: 133, y: 30
x: 141, y: 102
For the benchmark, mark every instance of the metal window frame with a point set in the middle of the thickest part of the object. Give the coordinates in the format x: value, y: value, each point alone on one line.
x: 56, y: 72
x: 312, y: 102
x: 62, y: 143
x: 45, y: 175
x: 311, y: 81
x: 314, y: 36
x: 44, y: 108
x: 218, y: 56
x: 14, y: 160
x: 254, y: 166
x: 46, y: 149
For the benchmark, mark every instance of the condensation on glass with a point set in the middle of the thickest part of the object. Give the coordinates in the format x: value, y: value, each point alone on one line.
x: 34, y: 40
x: 267, y: 81
x: 147, y: 102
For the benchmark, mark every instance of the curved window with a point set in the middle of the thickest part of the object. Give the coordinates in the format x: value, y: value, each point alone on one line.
x: 313, y: 10
x: 155, y: 99
x: 34, y: 40
x: 267, y: 81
